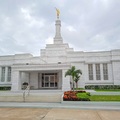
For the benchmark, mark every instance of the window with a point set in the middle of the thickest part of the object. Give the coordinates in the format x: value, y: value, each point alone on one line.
x: 9, y: 74
x: 90, y: 70
x: 97, y: 66
x: 105, y: 71
x: 3, y: 74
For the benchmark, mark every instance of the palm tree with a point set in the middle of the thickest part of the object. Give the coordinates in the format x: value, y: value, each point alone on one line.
x: 73, y: 73
x: 77, y: 77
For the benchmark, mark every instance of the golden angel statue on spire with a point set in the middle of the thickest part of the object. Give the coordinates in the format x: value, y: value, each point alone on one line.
x: 58, y: 12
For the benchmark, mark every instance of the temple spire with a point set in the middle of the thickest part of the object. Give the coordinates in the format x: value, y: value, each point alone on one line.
x: 58, y: 38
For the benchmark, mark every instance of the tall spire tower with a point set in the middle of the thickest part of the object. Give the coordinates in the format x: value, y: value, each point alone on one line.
x: 58, y: 39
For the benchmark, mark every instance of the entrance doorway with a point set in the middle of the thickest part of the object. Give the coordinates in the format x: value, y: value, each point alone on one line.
x: 49, y: 80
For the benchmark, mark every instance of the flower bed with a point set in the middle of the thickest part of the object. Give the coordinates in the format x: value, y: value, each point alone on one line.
x: 76, y: 96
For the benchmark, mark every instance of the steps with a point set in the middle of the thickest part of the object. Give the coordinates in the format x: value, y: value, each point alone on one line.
x: 34, y: 96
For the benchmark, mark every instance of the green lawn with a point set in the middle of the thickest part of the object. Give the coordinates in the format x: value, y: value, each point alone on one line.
x: 105, y: 98
x: 98, y: 97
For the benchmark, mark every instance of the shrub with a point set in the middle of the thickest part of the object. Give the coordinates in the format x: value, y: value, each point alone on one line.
x: 25, y: 83
x: 72, y: 96
x: 88, y: 93
x: 102, y: 87
x: 5, y: 88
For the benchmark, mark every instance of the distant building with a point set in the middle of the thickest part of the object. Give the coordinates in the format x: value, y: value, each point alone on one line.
x: 48, y: 70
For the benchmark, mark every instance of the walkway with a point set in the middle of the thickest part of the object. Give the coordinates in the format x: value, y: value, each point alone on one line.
x: 56, y: 114
x: 70, y: 105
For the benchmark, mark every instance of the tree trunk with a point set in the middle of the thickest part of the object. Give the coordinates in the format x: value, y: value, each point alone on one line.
x: 76, y: 85
x: 70, y: 85
x: 73, y: 83
x: 73, y: 86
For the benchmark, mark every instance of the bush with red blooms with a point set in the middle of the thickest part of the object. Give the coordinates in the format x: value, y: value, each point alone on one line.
x: 72, y: 96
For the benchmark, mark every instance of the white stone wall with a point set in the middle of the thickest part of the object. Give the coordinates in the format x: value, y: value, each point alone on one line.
x: 81, y: 66
x: 24, y: 77
x: 79, y: 59
x: 101, y: 81
x: 16, y: 80
x: 65, y: 81
x: 116, y: 72
x: 34, y: 80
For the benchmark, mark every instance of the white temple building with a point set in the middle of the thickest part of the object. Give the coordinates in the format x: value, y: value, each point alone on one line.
x: 47, y: 71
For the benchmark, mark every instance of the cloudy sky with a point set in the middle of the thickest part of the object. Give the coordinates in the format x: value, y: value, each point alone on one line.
x: 26, y: 26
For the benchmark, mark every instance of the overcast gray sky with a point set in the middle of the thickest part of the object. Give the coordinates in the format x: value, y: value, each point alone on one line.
x: 26, y: 26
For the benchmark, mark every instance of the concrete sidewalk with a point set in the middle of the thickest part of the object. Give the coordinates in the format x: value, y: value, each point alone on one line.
x: 70, y: 105
x: 56, y: 114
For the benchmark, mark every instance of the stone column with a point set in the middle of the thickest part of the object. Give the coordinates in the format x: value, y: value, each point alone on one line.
x: 16, y: 83
x: 60, y: 80
x: 94, y: 72
x: 6, y: 74
x: 39, y: 80
x: 65, y: 81
x: 0, y: 73
x: 101, y: 71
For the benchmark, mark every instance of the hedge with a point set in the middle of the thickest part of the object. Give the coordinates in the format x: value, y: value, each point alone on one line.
x: 102, y: 87
x: 5, y: 88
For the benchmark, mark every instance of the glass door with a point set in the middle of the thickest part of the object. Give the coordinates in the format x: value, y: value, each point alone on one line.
x: 49, y: 80
x: 46, y: 81
x: 52, y: 81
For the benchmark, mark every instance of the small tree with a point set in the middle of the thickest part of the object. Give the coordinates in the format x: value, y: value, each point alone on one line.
x: 77, y: 78
x: 73, y: 73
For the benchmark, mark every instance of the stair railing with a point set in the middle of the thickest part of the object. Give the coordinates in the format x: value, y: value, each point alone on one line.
x: 26, y: 93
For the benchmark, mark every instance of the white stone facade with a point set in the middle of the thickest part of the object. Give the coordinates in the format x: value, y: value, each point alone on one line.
x: 48, y: 70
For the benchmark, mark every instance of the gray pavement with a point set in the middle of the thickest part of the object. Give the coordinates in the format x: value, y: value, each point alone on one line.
x: 56, y: 114
x: 67, y: 105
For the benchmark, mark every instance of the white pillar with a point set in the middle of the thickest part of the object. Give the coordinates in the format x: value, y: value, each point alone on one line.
x: 101, y: 71
x: 6, y: 74
x: 60, y: 80
x: 39, y: 80
x: 65, y: 81
x: 0, y: 73
x: 16, y: 83
x: 94, y: 72
x: 29, y: 79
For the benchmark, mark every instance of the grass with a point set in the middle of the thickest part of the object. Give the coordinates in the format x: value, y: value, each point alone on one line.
x: 105, y: 98
x: 99, y: 97
x: 82, y: 95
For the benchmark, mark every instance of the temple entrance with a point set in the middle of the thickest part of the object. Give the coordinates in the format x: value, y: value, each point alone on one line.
x: 49, y: 80
x: 41, y: 80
